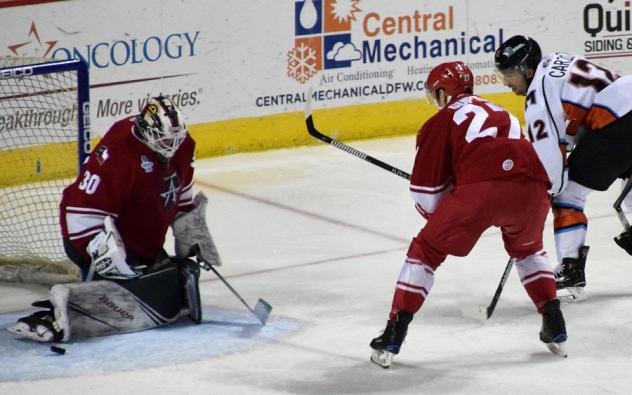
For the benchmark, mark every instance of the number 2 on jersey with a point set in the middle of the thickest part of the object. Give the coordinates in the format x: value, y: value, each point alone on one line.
x: 475, y: 131
x: 540, y: 133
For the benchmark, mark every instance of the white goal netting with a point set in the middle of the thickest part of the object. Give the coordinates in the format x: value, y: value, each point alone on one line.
x: 39, y: 156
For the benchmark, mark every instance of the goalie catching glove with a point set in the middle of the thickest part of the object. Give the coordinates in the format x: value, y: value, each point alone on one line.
x: 108, y: 255
x: 192, y: 236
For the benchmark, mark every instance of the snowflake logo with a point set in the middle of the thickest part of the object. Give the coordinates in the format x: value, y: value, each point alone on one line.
x: 302, y: 63
x: 343, y: 10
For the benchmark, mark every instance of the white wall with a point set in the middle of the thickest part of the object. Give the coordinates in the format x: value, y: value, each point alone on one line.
x: 229, y: 59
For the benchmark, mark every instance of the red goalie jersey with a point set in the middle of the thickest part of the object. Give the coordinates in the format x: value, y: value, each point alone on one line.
x: 467, y: 141
x: 123, y: 178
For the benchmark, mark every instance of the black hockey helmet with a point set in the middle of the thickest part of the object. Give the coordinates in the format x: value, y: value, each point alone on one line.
x: 518, y: 52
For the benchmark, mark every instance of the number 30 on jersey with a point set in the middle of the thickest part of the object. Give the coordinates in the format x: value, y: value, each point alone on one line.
x: 89, y: 183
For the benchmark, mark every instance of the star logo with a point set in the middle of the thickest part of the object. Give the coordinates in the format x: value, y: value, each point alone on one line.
x: 22, y: 48
x: 171, y: 189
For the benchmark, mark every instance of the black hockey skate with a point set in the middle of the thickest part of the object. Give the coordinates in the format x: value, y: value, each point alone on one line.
x: 390, y: 341
x: 571, y: 275
x: 39, y: 326
x: 553, y: 332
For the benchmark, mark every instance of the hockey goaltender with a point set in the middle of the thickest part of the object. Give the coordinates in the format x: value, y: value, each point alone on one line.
x: 134, y: 185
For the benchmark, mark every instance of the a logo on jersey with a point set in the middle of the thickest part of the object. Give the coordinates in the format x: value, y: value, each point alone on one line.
x: 170, y: 189
x: 146, y: 164
x: 102, y: 154
x: 508, y: 165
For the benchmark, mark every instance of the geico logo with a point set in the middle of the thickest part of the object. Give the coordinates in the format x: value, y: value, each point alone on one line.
x: 85, y: 106
x: 134, y: 51
x: 16, y: 73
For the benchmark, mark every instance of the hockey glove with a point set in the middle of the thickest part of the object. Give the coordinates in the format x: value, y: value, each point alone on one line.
x: 190, y: 230
x: 108, y: 254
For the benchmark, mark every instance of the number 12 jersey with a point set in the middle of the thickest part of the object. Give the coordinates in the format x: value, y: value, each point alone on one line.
x: 570, y: 95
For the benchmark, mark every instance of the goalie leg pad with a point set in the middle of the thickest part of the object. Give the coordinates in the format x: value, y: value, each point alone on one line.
x: 96, y: 308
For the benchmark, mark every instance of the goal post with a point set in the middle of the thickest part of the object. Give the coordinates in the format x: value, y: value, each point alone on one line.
x: 44, y: 137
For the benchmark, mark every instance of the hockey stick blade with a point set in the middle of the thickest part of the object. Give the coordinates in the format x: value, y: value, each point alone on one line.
x: 262, y: 310
x: 314, y: 132
x: 499, y: 289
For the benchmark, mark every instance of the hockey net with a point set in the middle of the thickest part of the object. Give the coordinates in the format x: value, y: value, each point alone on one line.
x: 44, y: 135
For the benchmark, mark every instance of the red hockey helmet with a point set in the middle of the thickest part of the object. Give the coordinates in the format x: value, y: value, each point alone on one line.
x: 453, y: 78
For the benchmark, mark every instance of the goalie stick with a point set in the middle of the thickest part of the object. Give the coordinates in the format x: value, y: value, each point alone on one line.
x: 262, y: 308
x: 312, y: 130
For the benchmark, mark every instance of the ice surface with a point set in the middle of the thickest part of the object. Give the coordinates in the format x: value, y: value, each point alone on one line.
x: 321, y: 235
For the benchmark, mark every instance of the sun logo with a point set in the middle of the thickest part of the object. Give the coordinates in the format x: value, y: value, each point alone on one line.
x: 343, y: 10
x: 322, y: 31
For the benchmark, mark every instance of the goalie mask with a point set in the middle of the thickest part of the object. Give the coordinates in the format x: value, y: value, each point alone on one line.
x: 161, y: 126
x: 448, y: 80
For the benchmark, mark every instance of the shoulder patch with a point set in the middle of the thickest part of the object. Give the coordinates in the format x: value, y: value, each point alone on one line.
x: 102, y: 154
x: 146, y: 164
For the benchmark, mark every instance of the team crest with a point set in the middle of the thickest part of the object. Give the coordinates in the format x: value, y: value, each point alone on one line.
x: 170, y: 189
x: 146, y: 164
x: 102, y: 154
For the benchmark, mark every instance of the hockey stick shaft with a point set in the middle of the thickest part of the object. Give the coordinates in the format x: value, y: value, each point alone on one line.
x: 499, y: 289
x: 261, y: 310
x: 617, y: 204
x: 311, y: 128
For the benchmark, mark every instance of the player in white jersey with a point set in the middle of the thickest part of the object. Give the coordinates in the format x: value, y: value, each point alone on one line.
x: 572, y: 103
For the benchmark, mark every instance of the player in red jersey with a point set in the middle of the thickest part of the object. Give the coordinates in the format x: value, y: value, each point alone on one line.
x: 134, y: 185
x: 140, y: 180
x: 473, y: 170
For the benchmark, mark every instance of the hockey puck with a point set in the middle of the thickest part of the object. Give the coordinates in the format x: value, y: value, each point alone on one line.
x: 58, y: 350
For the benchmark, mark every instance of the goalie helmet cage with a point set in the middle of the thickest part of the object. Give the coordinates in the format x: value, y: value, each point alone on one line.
x: 44, y: 138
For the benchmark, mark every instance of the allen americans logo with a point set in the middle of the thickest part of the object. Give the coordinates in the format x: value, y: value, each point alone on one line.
x: 322, y: 30
x: 170, y: 188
